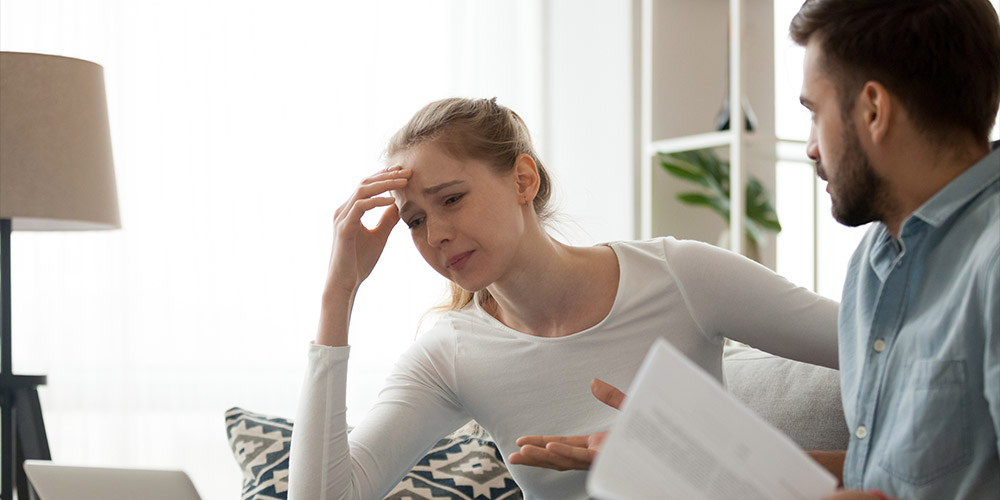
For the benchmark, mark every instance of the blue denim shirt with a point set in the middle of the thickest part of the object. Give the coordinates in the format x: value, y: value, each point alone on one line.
x: 919, y: 330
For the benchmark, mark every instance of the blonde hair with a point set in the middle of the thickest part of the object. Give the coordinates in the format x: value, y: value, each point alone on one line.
x: 478, y: 129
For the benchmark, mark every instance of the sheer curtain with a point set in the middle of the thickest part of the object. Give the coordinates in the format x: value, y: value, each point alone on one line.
x: 238, y: 128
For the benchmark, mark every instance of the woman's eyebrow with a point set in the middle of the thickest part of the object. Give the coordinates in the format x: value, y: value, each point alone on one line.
x: 428, y: 192
x: 435, y: 189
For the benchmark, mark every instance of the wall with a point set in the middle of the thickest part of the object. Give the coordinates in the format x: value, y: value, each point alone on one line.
x: 589, y: 128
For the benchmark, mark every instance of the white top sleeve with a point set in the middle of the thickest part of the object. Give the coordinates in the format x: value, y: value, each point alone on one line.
x: 413, y: 412
x: 732, y: 296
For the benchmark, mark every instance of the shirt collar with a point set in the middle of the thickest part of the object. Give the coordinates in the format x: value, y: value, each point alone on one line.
x: 959, y: 191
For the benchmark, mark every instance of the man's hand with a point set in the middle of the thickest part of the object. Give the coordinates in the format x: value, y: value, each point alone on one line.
x: 831, y: 460
x: 567, y: 452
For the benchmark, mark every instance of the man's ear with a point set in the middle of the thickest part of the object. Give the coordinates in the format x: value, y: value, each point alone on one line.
x: 526, y: 175
x: 877, y: 110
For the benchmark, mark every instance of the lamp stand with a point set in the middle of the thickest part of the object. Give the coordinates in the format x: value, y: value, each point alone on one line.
x: 22, y: 430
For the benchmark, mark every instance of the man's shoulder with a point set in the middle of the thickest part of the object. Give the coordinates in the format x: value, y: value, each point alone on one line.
x: 976, y: 228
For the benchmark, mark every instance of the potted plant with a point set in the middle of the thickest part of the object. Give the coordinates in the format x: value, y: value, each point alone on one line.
x: 704, y: 168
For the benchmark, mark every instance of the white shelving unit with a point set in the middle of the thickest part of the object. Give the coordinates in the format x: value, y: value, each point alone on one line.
x: 681, y: 70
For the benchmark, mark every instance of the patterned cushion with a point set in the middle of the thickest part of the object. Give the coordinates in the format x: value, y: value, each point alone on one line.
x: 260, y: 444
x: 464, y: 465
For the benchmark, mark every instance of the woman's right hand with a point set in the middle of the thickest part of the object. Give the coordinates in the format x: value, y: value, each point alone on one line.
x: 356, y: 248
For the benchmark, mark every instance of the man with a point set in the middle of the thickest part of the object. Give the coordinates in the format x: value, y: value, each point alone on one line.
x: 903, y: 95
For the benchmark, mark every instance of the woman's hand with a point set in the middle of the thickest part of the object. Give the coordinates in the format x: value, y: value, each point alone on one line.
x: 568, y: 452
x: 356, y: 249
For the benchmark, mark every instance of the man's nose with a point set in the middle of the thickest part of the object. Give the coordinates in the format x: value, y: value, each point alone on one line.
x: 812, y: 145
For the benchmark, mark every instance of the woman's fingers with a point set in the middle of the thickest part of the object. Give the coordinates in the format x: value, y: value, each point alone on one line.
x: 388, y: 220
x: 356, y: 249
x: 607, y: 393
x: 379, y: 183
x: 359, y: 207
x: 368, y: 196
x: 377, y: 188
x: 541, y: 457
x: 387, y: 176
x: 556, y: 452
x: 577, y: 454
x: 542, y: 441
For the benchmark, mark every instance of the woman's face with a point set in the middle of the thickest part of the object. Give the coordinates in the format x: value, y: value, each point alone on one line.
x: 465, y: 219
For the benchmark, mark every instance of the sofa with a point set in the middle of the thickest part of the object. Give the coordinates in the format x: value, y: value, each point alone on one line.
x: 801, y: 400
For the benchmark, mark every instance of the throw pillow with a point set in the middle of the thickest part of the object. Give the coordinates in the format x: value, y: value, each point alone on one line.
x: 465, y: 465
x: 261, y: 445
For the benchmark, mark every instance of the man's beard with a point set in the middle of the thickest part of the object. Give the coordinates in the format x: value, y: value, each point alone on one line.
x: 859, y: 193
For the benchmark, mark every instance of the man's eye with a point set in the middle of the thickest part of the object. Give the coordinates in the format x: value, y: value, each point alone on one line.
x: 413, y: 224
x: 451, y: 200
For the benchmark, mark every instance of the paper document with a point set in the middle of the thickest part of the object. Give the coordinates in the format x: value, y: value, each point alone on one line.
x: 681, y: 435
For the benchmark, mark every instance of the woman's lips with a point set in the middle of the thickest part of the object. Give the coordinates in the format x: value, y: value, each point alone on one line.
x: 457, y: 263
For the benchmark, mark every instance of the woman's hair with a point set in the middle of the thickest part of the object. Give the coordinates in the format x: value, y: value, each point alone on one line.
x: 478, y: 129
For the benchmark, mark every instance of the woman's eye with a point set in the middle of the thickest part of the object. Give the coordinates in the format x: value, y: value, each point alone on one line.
x: 415, y: 223
x: 451, y: 200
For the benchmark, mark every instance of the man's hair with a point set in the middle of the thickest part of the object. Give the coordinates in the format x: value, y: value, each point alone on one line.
x: 941, y: 58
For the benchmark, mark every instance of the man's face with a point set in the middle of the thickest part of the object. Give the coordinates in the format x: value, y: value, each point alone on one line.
x: 856, y: 190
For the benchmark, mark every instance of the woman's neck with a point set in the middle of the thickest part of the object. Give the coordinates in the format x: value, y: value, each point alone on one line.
x: 554, y: 290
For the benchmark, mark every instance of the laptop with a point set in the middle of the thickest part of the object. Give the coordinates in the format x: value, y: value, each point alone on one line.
x: 65, y: 482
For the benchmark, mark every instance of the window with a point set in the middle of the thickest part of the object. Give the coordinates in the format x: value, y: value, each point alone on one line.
x: 238, y: 128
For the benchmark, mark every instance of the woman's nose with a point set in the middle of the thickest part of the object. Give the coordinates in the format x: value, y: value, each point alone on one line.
x: 439, y: 231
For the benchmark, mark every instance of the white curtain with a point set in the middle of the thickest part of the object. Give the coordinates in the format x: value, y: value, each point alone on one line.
x: 238, y: 127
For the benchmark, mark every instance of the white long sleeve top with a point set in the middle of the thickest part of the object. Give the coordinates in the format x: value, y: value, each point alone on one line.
x: 471, y: 366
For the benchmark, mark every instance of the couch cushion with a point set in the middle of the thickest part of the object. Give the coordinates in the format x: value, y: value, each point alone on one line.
x: 800, y: 399
x: 261, y: 445
x: 464, y: 465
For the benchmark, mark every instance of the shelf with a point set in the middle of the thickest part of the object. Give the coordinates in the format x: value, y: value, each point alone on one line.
x: 787, y: 149
x: 763, y: 149
x: 691, y: 142
x: 690, y: 55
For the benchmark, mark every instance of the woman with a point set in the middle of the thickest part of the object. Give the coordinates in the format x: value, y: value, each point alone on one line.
x: 545, y: 318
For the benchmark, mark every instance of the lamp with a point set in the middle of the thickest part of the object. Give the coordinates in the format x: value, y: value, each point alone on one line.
x: 56, y: 173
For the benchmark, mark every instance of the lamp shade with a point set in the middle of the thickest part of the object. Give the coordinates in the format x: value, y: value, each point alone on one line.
x: 56, y: 168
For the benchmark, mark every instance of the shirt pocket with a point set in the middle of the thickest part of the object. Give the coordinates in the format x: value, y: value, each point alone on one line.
x: 927, y: 429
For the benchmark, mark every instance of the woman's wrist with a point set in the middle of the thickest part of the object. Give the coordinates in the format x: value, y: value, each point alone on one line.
x: 335, y: 316
x: 336, y: 294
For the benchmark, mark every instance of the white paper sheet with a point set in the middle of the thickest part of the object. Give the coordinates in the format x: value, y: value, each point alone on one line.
x: 682, y: 436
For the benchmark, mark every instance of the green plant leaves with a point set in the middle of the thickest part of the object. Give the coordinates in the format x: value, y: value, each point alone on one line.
x: 704, y: 168
x: 716, y: 203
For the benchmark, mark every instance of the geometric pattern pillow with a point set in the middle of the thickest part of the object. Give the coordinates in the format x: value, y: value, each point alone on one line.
x: 465, y: 465
x: 261, y: 446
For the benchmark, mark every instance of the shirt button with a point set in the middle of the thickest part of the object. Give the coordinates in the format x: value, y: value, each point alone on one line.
x: 879, y: 345
x: 861, y: 432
